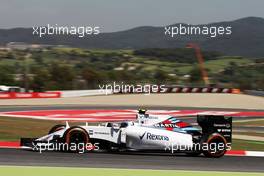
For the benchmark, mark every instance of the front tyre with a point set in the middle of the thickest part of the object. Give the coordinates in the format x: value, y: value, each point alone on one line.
x: 77, y: 139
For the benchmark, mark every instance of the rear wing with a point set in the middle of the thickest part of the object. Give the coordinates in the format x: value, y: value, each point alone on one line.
x: 216, y: 124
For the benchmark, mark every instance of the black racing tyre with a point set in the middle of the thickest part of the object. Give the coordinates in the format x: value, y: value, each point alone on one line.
x: 74, y: 137
x: 56, y: 128
x: 217, y: 146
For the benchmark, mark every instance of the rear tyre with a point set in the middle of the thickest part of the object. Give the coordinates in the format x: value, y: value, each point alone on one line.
x: 77, y: 139
x: 216, y: 146
x: 56, y: 128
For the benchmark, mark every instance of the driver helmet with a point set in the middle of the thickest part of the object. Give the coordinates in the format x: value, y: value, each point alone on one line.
x: 142, y: 115
x: 142, y: 111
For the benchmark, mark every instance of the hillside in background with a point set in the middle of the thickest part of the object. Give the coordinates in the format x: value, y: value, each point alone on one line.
x: 247, y: 38
x: 76, y: 68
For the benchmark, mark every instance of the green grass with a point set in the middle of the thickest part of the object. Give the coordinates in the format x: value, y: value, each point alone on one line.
x: 107, y: 51
x: 12, y: 129
x: 250, y: 133
x: 44, y: 171
x: 238, y: 144
x: 148, y: 64
x: 12, y: 62
x: 256, y: 122
x: 86, y: 52
x: 214, y: 66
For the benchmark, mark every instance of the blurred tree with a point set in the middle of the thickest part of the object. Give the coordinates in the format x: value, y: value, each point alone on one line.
x: 41, y: 79
x: 91, y: 76
x: 6, y: 77
x: 195, y: 75
x: 160, y: 76
x: 62, y: 76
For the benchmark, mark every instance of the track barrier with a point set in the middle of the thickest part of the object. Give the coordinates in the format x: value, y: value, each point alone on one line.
x: 16, y: 95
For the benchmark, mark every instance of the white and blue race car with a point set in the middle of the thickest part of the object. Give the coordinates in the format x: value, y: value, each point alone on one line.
x: 147, y: 132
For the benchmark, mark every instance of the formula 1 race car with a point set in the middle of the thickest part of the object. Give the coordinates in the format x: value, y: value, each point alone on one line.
x: 147, y: 132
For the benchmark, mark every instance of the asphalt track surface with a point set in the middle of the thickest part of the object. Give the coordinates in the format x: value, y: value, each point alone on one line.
x: 131, y: 160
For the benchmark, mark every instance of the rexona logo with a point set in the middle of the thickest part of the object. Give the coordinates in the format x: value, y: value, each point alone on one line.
x: 154, y: 137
